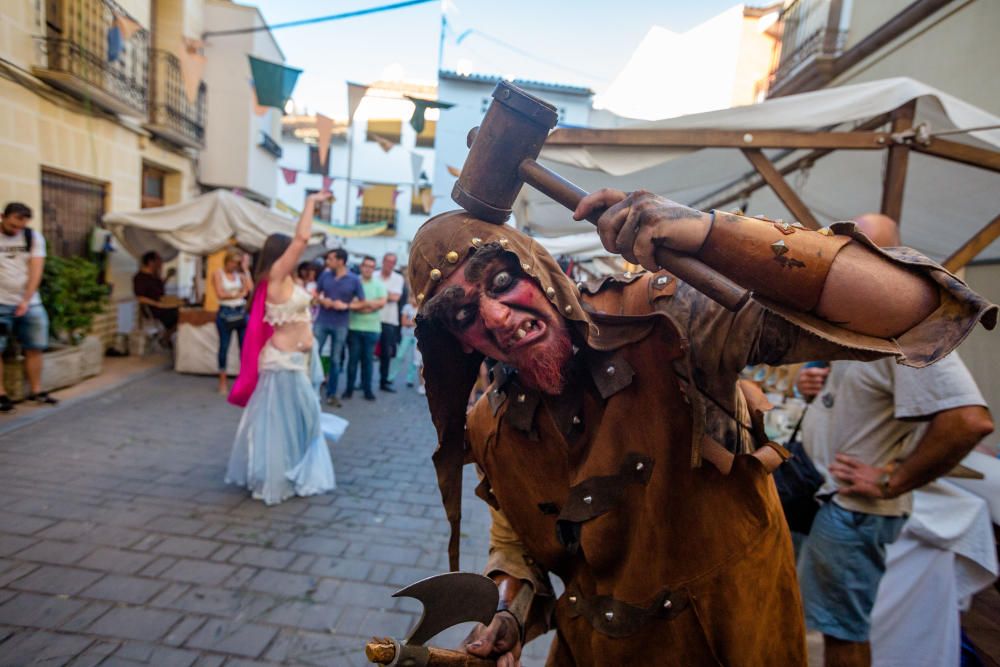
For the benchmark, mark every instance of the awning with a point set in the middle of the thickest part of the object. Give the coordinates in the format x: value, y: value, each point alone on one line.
x: 944, y: 204
x: 199, y: 226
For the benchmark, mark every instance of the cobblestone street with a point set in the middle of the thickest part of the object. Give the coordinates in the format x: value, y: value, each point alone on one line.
x: 120, y: 544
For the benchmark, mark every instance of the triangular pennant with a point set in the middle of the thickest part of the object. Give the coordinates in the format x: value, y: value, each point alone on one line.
x: 361, y: 191
x: 290, y: 175
x: 355, y: 93
x: 115, y: 45
x: 427, y: 199
x: 274, y: 82
x: 127, y: 26
x: 420, y: 107
x: 257, y: 108
x: 395, y: 196
x: 192, y: 67
x: 384, y: 144
x: 324, y: 126
x: 416, y: 163
x: 327, y: 183
x: 454, y: 171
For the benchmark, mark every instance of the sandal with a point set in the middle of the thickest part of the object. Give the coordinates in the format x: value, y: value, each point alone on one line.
x: 43, y: 398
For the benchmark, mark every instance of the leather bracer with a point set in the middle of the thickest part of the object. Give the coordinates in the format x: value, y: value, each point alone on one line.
x: 783, y: 262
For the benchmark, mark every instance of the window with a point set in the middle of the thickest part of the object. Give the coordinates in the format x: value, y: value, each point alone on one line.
x: 387, y: 129
x: 425, y: 139
x: 378, y: 204
x: 421, y: 202
x: 152, y: 186
x: 322, y: 211
x: 314, y: 165
x: 71, y: 208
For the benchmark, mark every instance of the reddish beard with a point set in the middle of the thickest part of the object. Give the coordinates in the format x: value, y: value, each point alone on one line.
x: 545, y: 365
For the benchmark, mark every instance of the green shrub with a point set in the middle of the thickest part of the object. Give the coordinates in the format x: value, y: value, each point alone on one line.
x: 72, y: 296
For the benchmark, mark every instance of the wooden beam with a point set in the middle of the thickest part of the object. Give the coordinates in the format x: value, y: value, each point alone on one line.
x: 896, y: 163
x: 964, y: 153
x: 666, y: 138
x: 979, y: 241
x: 770, y: 174
x: 758, y: 182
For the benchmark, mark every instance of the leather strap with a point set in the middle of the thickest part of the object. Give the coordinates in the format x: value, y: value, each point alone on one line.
x: 619, y: 619
x: 781, y: 261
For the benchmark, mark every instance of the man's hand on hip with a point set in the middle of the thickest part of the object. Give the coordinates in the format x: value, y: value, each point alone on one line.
x: 21, y: 309
x: 857, y: 478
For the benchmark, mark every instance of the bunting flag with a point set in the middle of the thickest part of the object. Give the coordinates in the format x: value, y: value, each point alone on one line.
x: 127, y: 26
x: 290, y: 175
x: 115, y: 43
x: 355, y: 93
x: 192, y: 66
x: 419, y: 107
x: 416, y: 163
x: 384, y: 144
x: 361, y: 191
x: 427, y: 200
x: 327, y: 185
x: 395, y: 195
x: 354, y: 231
x: 273, y: 81
x: 324, y: 126
x: 454, y: 171
x: 257, y: 108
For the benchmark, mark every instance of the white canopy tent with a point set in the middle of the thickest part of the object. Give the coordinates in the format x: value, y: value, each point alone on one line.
x: 200, y: 226
x: 944, y: 201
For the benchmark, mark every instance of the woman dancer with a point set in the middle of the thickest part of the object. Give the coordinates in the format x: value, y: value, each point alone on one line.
x: 232, y: 285
x: 280, y: 449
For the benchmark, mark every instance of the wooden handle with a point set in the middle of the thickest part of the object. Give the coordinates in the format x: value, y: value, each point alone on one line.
x: 383, y: 651
x: 703, y: 278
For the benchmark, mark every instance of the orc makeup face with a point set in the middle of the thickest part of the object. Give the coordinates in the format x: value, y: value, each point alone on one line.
x: 492, y: 307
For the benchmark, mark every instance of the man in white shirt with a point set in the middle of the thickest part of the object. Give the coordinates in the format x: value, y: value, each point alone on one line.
x: 22, y: 259
x: 389, y: 340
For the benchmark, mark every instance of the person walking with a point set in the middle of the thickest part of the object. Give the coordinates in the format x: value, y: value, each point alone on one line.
x: 280, y: 450
x: 390, y: 336
x: 22, y: 260
x: 407, y: 356
x: 364, y: 327
x: 232, y: 285
x: 336, y: 288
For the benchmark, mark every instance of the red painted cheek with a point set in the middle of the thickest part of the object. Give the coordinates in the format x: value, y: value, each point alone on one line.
x: 523, y: 295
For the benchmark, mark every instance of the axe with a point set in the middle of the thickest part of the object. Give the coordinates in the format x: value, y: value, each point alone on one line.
x: 501, y: 160
x: 448, y: 599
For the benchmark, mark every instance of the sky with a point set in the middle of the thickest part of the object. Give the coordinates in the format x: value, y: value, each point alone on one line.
x: 583, y: 43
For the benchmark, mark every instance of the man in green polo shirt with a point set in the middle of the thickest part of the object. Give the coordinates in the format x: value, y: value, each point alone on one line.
x: 363, y: 330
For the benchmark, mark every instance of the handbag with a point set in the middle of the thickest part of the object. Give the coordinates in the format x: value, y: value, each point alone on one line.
x: 234, y: 316
x: 798, y: 481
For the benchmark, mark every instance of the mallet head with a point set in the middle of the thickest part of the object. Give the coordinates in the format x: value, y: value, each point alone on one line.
x: 514, y: 129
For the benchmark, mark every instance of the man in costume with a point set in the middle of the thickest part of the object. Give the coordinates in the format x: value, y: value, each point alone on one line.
x: 615, y: 446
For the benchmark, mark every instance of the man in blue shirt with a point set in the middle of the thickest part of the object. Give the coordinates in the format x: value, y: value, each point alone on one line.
x: 336, y: 287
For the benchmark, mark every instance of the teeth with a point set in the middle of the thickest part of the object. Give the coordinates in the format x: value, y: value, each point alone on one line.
x: 520, y: 333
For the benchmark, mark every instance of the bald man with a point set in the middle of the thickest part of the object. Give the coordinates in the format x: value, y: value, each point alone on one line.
x: 860, y: 433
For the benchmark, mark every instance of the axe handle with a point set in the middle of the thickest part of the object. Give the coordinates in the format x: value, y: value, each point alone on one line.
x: 383, y: 652
x: 703, y: 278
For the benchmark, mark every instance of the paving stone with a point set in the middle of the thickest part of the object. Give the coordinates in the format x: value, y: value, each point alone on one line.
x: 198, y: 572
x: 153, y: 654
x: 86, y: 531
x: 158, y: 566
x: 56, y: 580
x: 58, y: 553
x: 186, y: 546
x: 183, y: 630
x: 343, y: 568
x: 21, y: 524
x: 42, y: 648
x: 117, y: 560
x: 89, y: 614
x: 259, y: 557
x: 95, y: 654
x: 120, y: 588
x: 17, y: 571
x: 223, y: 602
x: 323, y: 546
x: 135, y: 623
x: 225, y: 552
x: 11, y: 544
x: 282, y: 584
x: 38, y: 611
x: 246, y: 639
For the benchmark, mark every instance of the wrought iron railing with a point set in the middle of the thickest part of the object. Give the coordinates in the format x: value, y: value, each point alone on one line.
x: 810, y: 29
x: 368, y: 214
x: 269, y: 144
x: 78, y: 42
x: 170, y: 110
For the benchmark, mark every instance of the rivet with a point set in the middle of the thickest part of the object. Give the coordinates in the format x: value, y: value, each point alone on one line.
x: 576, y: 420
x: 668, y: 604
x: 610, y: 370
x: 452, y: 257
x: 568, y: 309
x: 435, y: 275
x: 572, y: 598
x: 420, y: 297
x: 798, y: 225
x: 826, y: 231
x: 588, y: 499
x: 627, y: 275
x: 503, y: 243
x: 748, y: 138
x: 551, y: 293
x: 476, y: 242
x: 521, y: 398
x: 640, y: 465
x: 785, y: 226
x: 610, y: 615
x: 579, y: 286
x: 779, y: 248
x: 661, y: 281
x: 526, y: 266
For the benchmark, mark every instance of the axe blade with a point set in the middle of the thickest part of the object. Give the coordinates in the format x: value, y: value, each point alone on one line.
x: 449, y: 599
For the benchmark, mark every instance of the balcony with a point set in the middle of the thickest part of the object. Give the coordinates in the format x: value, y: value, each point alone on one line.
x: 369, y: 214
x: 76, y: 57
x: 171, y: 115
x: 812, y: 38
x: 269, y: 145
